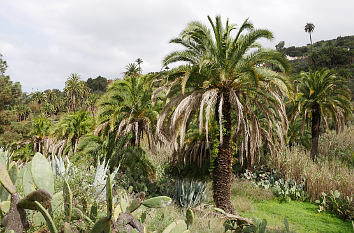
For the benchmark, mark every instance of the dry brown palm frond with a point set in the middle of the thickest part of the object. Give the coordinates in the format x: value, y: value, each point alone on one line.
x: 100, y: 128
x: 161, y: 132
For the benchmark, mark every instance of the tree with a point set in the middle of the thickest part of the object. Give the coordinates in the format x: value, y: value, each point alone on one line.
x: 225, y: 72
x: 40, y: 129
x: 280, y: 46
x: 309, y: 28
x: 126, y: 108
x: 139, y: 61
x: 322, y: 95
x: 10, y: 93
x: 72, y: 127
x: 75, y: 90
x: 132, y: 70
x: 97, y: 85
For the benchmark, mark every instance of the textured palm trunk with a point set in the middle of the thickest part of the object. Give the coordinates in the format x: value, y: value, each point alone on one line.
x: 222, y: 174
x: 315, y: 129
x: 74, y: 103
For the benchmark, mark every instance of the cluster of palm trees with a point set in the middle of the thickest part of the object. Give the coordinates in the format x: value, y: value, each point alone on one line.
x: 229, y: 89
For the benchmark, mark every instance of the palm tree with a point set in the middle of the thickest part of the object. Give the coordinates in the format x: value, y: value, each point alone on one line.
x: 22, y: 112
x: 225, y: 72
x: 38, y: 97
x: 132, y: 70
x: 75, y: 90
x: 322, y: 95
x: 126, y: 108
x: 40, y: 129
x: 309, y: 28
x: 139, y: 61
x: 72, y: 127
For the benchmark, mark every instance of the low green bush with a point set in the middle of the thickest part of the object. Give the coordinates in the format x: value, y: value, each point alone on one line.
x: 284, y: 189
x: 339, y: 205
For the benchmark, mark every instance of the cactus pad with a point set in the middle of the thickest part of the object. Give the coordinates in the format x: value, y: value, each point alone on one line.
x: 6, y: 180
x: 40, y: 195
x: 42, y: 173
x: 157, y: 202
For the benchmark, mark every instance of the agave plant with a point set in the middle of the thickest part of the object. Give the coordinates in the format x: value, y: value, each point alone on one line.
x: 99, y: 183
x: 189, y: 194
x: 59, y: 168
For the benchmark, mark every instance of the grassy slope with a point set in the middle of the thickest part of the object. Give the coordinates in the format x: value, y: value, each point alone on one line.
x: 302, y: 217
x: 254, y: 202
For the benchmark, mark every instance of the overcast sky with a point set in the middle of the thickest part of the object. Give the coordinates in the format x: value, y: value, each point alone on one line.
x: 44, y: 41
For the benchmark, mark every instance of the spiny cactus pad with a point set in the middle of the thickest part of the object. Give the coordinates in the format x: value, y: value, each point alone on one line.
x: 102, y: 225
x: 42, y: 173
x: 157, y: 202
x: 5, y: 179
x: 68, y: 199
x: 27, y: 180
x: 189, y: 217
x: 178, y: 226
x: 47, y: 217
x: 40, y: 195
x: 135, y: 204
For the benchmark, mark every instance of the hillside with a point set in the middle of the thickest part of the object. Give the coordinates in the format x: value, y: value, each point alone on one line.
x: 336, y: 54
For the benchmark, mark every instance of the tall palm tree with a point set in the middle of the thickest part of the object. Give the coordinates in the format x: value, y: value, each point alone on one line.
x: 309, y: 28
x: 139, y: 61
x: 322, y: 95
x: 72, y: 127
x: 40, y: 129
x: 126, y: 108
x: 132, y: 70
x: 38, y: 97
x: 75, y: 90
x: 225, y: 72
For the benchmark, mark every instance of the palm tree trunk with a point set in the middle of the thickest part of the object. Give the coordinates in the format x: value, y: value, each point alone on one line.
x: 310, y: 39
x: 315, y: 129
x: 222, y: 174
x: 74, y: 102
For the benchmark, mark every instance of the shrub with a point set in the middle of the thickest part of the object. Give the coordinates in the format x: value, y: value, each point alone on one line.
x: 321, y: 176
x: 337, y: 204
x: 288, y: 190
x: 285, y: 189
x: 338, y: 146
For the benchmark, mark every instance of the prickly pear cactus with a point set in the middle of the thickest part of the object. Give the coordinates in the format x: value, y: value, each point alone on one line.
x: 47, y: 217
x: 93, y: 211
x: 157, y: 202
x: 178, y: 226
x: 134, y: 204
x: 42, y: 173
x: 6, y: 180
x: 103, y: 225
x: 40, y: 195
x: 68, y: 199
x: 189, y: 218
x: 13, y: 173
x: 27, y: 180
x: 16, y: 218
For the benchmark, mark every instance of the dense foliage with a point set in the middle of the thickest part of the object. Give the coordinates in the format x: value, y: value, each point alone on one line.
x: 225, y: 131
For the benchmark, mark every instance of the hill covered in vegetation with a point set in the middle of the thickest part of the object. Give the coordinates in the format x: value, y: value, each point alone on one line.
x: 336, y: 54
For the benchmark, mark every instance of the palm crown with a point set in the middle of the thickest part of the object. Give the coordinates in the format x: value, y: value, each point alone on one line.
x: 126, y: 108
x: 322, y: 94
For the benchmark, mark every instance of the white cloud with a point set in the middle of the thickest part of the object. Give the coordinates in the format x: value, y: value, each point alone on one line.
x: 44, y: 41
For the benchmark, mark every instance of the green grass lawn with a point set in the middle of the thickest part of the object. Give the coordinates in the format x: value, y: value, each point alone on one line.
x: 254, y: 202
x: 302, y: 217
